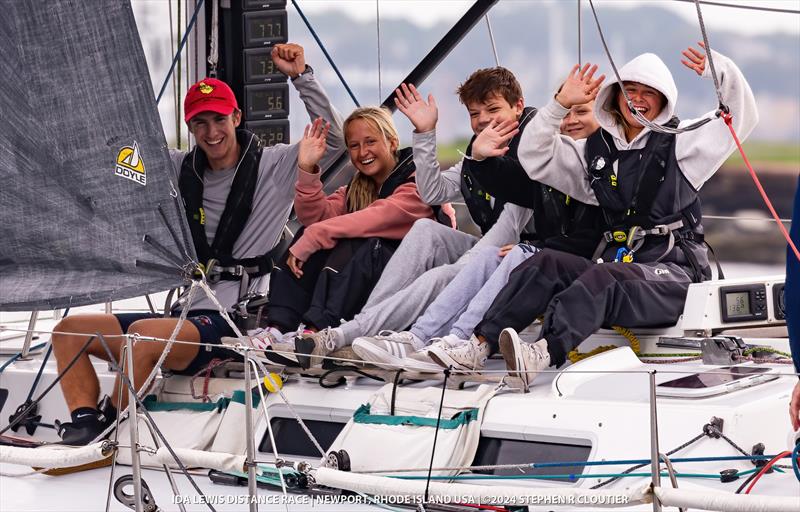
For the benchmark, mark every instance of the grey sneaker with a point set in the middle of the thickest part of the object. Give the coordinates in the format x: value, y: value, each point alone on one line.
x: 470, y: 355
x: 388, y: 349
x: 310, y: 348
x: 523, y: 360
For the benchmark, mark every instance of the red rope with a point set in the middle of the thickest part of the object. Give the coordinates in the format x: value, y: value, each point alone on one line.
x: 766, y: 468
x: 728, y: 118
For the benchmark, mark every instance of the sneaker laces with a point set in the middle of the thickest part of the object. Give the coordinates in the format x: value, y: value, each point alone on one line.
x: 397, y: 336
x: 327, y: 338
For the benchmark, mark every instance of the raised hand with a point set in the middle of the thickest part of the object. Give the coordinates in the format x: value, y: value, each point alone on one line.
x: 311, y: 148
x: 289, y: 58
x: 580, y: 86
x: 493, y: 140
x: 696, y: 59
x: 422, y: 115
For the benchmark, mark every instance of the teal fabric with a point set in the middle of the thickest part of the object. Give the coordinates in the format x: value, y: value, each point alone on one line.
x: 152, y: 404
x: 362, y: 415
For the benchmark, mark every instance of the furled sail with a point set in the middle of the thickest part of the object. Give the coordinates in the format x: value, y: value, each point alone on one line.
x: 88, y: 212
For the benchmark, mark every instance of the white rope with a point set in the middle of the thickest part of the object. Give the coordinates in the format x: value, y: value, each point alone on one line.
x: 51, y: 457
x: 220, y: 461
x: 213, y: 48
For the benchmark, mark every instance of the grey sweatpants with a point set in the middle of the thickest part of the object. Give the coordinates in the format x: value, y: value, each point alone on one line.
x: 428, y: 258
x: 462, y: 304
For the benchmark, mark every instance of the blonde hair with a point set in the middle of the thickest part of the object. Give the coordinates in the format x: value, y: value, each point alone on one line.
x: 363, y: 190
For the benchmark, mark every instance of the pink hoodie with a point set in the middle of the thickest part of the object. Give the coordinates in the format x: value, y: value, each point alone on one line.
x: 326, y: 218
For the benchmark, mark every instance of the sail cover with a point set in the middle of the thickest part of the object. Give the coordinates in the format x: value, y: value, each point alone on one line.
x: 84, y: 168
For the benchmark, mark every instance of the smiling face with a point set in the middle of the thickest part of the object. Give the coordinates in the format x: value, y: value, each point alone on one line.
x: 216, y: 135
x: 580, y: 122
x: 493, y: 108
x: 647, y: 100
x: 371, y: 153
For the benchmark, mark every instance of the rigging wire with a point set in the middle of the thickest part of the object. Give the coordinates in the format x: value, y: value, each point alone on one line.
x: 634, y: 112
x: 491, y: 39
x: 177, y: 56
x: 580, y: 45
x: 742, y: 6
x: 378, y: 27
x: 325, y: 52
x: 729, y: 121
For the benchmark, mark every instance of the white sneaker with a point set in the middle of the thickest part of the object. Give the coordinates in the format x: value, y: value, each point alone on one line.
x: 311, y: 348
x: 523, y: 360
x: 420, y: 361
x: 388, y: 349
x: 470, y: 355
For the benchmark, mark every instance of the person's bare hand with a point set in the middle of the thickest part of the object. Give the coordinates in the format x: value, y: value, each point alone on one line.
x: 295, y: 265
x: 580, y: 86
x: 695, y: 59
x: 421, y: 114
x: 794, y: 407
x: 289, y: 58
x: 311, y: 147
x: 493, y: 140
x: 505, y: 250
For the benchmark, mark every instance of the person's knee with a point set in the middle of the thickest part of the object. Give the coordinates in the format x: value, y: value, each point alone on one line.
x: 69, y: 330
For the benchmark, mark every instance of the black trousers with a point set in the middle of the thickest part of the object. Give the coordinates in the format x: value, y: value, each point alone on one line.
x: 577, y: 297
x: 334, y: 286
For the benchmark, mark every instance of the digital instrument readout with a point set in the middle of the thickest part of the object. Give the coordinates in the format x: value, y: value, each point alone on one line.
x: 266, y: 101
x: 264, y: 28
x: 738, y: 303
x: 271, y: 132
x: 259, y: 68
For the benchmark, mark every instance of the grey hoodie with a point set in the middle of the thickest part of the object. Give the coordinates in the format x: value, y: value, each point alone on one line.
x: 545, y: 154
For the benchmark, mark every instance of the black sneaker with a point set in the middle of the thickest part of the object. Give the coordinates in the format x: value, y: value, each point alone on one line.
x: 86, y: 426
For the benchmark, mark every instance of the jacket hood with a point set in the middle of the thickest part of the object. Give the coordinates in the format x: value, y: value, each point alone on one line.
x: 647, y: 69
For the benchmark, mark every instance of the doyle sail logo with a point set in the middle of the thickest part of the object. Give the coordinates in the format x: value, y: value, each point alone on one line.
x: 130, y: 165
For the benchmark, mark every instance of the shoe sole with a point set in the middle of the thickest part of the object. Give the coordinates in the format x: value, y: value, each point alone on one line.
x: 509, y: 347
x: 441, y: 358
x: 304, y: 347
x: 374, y: 355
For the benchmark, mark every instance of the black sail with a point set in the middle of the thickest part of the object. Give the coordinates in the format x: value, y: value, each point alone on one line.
x: 88, y: 211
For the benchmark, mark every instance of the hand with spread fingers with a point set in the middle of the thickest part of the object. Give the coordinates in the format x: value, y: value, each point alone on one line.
x: 421, y: 114
x: 580, y: 86
x: 493, y: 140
x: 312, y: 147
x: 794, y: 407
x: 289, y: 58
x: 695, y: 59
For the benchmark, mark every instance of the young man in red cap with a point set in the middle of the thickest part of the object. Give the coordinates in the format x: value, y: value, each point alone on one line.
x: 237, y: 197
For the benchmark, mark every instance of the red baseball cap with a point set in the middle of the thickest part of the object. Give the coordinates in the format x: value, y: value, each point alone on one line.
x: 209, y: 94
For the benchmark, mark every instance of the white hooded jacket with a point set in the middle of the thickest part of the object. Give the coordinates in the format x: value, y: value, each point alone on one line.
x: 558, y: 161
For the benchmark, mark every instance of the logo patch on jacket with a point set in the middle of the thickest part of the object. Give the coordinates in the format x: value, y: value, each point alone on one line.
x: 130, y: 165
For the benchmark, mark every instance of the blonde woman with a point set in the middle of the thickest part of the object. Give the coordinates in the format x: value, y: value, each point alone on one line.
x: 348, y: 236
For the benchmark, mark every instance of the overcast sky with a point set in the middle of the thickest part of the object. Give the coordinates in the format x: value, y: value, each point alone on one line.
x: 428, y: 12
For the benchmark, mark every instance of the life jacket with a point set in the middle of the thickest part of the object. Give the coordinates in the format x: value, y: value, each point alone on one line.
x: 238, y: 206
x: 651, y: 210
x: 478, y: 201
